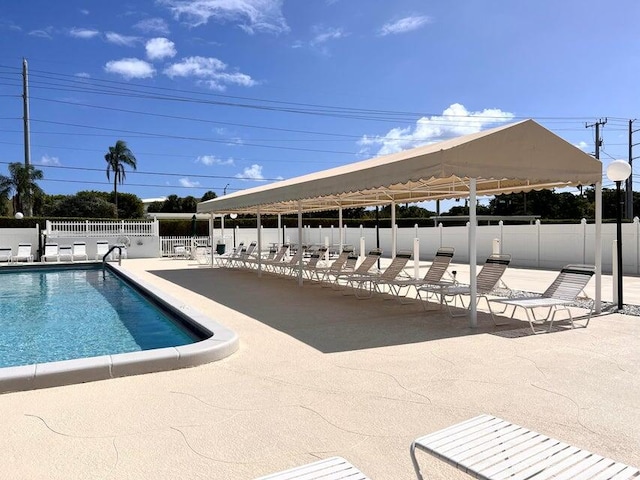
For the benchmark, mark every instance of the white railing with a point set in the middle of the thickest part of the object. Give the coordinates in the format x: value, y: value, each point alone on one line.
x: 168, y: 244
x: 107, y: 228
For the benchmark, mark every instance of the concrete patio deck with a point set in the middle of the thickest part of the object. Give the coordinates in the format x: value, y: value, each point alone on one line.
x: 321, y: 374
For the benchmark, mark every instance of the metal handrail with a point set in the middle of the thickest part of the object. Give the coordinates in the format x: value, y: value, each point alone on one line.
x: 104, y: 258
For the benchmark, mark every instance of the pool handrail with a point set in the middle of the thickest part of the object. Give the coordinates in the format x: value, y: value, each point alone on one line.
x: 104, y: 258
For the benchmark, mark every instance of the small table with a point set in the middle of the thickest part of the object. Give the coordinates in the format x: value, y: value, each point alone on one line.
x: 488, y: 447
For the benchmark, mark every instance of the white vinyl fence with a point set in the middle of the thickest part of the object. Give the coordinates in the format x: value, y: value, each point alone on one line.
x: 531, y: 246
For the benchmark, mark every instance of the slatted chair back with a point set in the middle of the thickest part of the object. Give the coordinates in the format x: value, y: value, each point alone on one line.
x: 570, y: 282
x: 315, y: 257
x: 340, y: 262
x: 281, y: 253
x: 439, y: 266
x: 24, y: 250
x: 492, y: 272
x: 5, y: 254
x: 272, y: 253
x: 396, y: 266
x: 368, y: 262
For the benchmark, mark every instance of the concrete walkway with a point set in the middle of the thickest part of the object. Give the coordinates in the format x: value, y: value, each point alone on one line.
x: 321, y: 374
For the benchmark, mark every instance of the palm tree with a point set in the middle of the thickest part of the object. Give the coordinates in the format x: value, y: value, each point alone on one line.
x: 21, y: 182
x: 118, y: 156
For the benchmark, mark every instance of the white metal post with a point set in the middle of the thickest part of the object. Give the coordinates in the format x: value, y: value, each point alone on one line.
x: 300, y: 242
x: 259, y: 228
x: 473, y: 314
x: 598, y: 248
x: 340, y: 228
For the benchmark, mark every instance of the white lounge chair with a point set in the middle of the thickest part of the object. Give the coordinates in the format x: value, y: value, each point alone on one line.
x: 273, y: 264
x: 79, y: 251
x: 203, y: 255
x: 24, y: 253
x: 223, y: 259
x: 434, y: 275
x: 323, y: 272
x: 362, y: 269
x: 102, y: 248
x: 491, y: 448
x: 51, y: 251
x: 5, y: 254
x: 486, y: 281
x: 365, y: 285
x: 334, y: 468
x: 559, y: 296
x: 65, y: 252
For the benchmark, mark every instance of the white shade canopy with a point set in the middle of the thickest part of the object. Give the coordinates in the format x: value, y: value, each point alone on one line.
x: 518, y: 157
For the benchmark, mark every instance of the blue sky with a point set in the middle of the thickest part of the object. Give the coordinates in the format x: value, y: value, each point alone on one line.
x: 215, y: 94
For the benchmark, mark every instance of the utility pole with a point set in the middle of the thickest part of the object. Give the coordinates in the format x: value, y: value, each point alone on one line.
x: 629, y: 181
x: 598, y: 141
x: 25, y: 118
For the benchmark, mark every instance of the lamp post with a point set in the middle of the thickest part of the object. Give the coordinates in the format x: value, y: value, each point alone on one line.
x: 233, y: 216
x: 618, y: 171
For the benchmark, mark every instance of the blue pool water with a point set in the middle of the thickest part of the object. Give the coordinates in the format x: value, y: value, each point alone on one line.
x: 63, y: 314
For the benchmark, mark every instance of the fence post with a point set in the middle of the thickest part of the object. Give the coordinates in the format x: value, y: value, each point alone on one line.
x: 538, y: 241
x: 636, y: 222
x: 584, y: 240
x: 501, y: 223
x: 362, y: 246
x: 416, y: 256
x: 440, y: 227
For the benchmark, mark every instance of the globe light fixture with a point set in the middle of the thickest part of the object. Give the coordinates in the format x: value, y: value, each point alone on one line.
x: 618, y: 171
x: 19, y: 216
x: 233, y: 216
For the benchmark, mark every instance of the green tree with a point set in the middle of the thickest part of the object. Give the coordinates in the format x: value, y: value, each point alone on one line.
x: 81, y: 205
x: 118, y: 156
x: 209, y: 195
x: 21, y: 182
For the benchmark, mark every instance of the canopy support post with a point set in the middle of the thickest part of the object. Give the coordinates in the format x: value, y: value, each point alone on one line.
x: 598, y: 248
x: 211, y: 217
x: 300, y: 242
x: 279, y: 229
x: 473, y: 284
x: 340, y: 242
x: 394, y: 233
x: 259, y: 226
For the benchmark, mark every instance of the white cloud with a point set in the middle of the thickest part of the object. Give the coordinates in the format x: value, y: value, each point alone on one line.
x: 130, y: 68
x: 582, y: 145
x: 250, y: 15
x: 124, y: 40
x: 323, y: 34
x: 185, y: 182
x: 213, y: 160
x: 47, y: 160
x: 209, y: 71
x: 83, y: 75
x: 153, y: 25
x: 42, y: 33
x: 83, y: 32
x: 159, y: 48
x: 254, y: 172
x: 404, y: 25
x: 454, y: 121
x: 84, y: 11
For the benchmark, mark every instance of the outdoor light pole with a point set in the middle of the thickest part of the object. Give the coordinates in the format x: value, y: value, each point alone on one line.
x: 233, y: 217
x: 618, y: 171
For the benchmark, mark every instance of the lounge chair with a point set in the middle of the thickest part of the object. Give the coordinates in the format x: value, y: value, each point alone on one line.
x: 180, y: 251
x: 324, y: 273
x: 559, y: 296
x: 309, y: 267
x: 65, y: 252
x: 282, y: 268
x: 102, y: 248
x: 363, y: 269
x: 246, y: 257
x: 203, y: 255
x: 434, y: 275
x: 79, y: 251
x: 486, y: 281
x: 491, y: 448
x: 365, y: 285
x: 334, y: 468
x: 51, y: 251
x: 273, y: 264
x: 23, y: 254
x: 223, y: 258
x: 5, y: 254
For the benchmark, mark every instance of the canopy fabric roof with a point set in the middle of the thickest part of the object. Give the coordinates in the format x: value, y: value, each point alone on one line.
x: 518, y: 157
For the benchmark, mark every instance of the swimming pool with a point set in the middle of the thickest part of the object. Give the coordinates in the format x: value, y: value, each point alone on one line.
x: 71, y: 324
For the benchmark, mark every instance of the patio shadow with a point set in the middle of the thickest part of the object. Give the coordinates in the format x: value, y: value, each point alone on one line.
x: 323, y: 318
